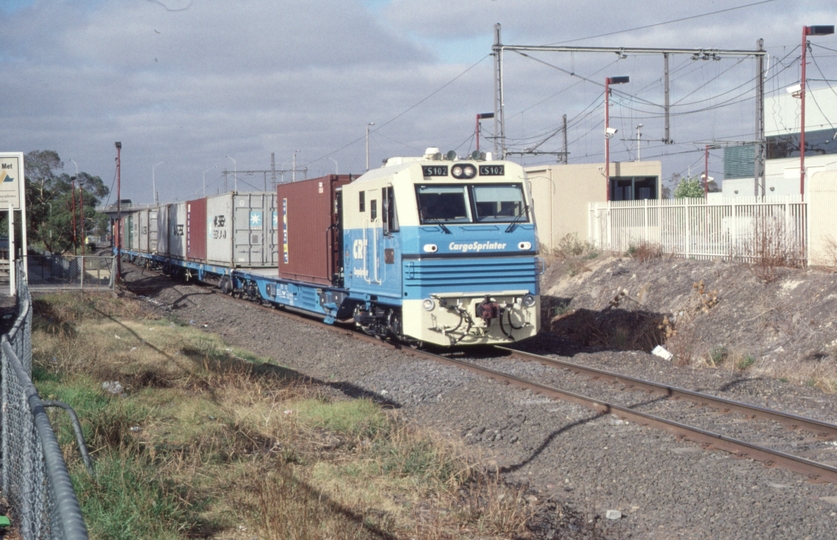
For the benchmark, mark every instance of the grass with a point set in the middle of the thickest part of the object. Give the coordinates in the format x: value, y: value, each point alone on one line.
x: 212, y: 442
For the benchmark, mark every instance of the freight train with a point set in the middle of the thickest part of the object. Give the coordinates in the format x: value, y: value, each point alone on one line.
x: 426, y: 250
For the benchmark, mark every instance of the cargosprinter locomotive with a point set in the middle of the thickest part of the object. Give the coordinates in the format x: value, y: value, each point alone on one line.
x: 427, y: 250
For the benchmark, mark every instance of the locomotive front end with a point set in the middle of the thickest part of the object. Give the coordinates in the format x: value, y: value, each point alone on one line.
x: 470, y: 274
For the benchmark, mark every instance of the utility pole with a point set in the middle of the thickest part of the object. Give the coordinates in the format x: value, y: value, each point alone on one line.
x: 499, y: 120
x: 565, y: 154
x: 758, y: 173
x: 118, y: 277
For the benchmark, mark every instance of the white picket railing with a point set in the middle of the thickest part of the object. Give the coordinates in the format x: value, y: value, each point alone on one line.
x: 743, y: 228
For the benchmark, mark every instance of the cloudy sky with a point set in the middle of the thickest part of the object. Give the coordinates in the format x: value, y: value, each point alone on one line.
x: 190, y: 82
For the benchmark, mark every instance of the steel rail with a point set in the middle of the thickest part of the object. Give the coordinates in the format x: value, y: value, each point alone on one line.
x: 820, y: 428
x: 769, y: 457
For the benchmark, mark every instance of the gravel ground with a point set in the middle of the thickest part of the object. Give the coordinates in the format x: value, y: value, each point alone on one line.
x: 586, y: 464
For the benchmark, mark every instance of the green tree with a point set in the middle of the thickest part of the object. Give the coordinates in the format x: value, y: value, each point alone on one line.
x: 61, y: 209
x: 689, y: 188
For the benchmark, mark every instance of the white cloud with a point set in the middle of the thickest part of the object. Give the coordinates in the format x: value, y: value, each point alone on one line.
x: 248, y: 78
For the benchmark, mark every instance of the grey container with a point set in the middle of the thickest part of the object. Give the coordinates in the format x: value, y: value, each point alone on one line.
x: 177, y: 230
x: 162, y: 230
x: 144, y: 230
x: 242, y: 230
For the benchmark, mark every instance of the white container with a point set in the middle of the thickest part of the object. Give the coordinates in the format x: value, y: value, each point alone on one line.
x: 152, y: 231
x: 242, y: 230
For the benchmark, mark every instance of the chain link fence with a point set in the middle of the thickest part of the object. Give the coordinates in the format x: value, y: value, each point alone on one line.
x: 35, y: 481
x: 51, y: 271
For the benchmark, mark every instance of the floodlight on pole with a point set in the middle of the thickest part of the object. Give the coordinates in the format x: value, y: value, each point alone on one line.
x: 609, y: 131
x: 818, y: 30
x: 481, y: 116
x: 154, y: 183
x: 367, y: 143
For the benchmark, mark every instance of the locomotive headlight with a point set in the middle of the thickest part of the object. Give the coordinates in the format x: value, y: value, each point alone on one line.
x: 524, y: 246
x: 430, y: 248
x: 428, y: 304
x: 529, y: 300
x: 465, y: 171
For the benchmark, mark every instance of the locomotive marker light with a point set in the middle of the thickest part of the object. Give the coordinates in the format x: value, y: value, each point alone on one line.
x: 610, y: 132
x: 467, y: 171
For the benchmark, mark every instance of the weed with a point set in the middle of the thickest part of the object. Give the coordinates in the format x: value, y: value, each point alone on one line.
x: 771, y: 247
x: 574, y: 252
x: 645, y: 251
x: 718, y: 355
x: 206, y: 439
x: 746, y: 362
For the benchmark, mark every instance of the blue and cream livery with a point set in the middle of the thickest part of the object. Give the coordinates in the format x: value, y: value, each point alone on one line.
x: 442, y: 251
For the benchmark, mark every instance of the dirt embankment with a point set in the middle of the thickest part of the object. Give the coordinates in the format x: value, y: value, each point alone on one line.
x: 702, y: 311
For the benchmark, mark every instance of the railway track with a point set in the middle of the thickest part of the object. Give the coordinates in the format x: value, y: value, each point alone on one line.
x: 770, y: 456
x: 767, y: 454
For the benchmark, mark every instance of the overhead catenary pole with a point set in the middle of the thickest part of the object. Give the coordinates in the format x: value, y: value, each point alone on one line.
x: 697, y: 54
x: 235, y: 175
x: 154, y: 197
x: 761, y: 150
x: 565, y: 154
x: 499, y: 119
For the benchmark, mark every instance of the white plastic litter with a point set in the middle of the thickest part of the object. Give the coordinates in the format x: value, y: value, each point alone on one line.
x: 660, y: 351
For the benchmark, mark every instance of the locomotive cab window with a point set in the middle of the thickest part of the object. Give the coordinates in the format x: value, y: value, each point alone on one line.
x: 373, y: 210
x: 498, y: 202
x: 361, y: 207
x: 390, y: 217
x: 474, y: 203
x: 443, y: 203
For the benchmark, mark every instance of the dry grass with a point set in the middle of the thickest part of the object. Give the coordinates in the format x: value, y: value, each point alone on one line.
x: 645, y: 251
x: 212, y: 442
x: 770, y: 249
x: 575, y: 254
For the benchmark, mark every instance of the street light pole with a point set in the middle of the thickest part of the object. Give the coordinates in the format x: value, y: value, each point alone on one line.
x: 336, y: 169
x: 235, y: 174
x: 638, y: 142
x: 609, y: 133
x: 293, y: 166
x: 154, y: 184
x: 819, y: 30
x: 118, y: 238
x: 367, y: 143
x: 204, y: 178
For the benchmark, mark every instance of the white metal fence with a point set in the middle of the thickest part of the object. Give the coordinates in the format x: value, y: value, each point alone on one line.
x: 741, y: 228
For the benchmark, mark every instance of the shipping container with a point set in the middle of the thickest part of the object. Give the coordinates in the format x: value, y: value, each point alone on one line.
x: 152, y: 231
x: 143, y: 231
x: 308, y: 219
x: 196, y: 230
x: 177, y: 230
x: 240, y: 231
x: 163, y: 230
